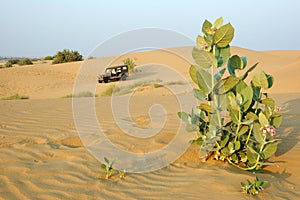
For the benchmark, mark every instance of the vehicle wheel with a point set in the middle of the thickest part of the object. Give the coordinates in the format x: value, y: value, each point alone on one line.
x: 99, y: 81
x: 105, y: 80
x: 123, y: 77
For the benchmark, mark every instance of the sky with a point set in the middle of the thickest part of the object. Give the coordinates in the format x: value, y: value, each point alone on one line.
x: 43, y: 27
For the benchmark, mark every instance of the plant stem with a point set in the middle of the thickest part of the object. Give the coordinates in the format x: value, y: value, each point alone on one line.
x: 249, y: 134
x: 214, y: 96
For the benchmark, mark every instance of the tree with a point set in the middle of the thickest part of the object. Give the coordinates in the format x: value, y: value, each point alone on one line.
x: 66, y: 56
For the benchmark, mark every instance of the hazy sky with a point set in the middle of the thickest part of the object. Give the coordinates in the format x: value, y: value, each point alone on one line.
x: 43, y: 27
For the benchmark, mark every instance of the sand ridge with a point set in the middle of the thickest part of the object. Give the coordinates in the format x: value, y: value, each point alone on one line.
x: 42, y: 156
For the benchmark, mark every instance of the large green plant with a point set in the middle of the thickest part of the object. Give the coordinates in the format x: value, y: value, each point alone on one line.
x: 235, y: 121
x: 66, y: 56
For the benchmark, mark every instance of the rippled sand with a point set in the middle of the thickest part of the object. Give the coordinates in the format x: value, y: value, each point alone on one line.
x: 42, y: 156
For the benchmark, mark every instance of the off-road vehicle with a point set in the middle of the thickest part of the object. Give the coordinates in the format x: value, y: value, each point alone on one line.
x: 114, y: 73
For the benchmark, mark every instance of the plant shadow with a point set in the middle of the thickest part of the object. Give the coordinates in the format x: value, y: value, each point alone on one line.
x: 289, y: 130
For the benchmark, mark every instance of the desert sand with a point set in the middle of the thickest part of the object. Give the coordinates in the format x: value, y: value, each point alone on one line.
x: 42, y: 156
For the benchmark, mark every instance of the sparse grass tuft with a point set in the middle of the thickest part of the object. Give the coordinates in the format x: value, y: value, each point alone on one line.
x: 81, y: 94
x: 15, y: 97
x: 110, y: 90
x: 130, y: 88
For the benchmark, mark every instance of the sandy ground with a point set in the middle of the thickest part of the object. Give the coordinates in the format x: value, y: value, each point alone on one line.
x: 42, y: 156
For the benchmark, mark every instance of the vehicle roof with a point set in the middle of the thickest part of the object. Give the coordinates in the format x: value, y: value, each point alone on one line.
x: 116, y: 66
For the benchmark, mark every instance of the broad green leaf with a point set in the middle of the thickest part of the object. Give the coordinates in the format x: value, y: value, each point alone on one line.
x: 203, y: 58
x: 208, y: 39
x: 251, y: 155
x: 103, y: 166
x: 240, y: 86
x: 269, y: 102
x: 236, y: 62
x: 263, y: 120
x: 231, y: 147
x: 264, y: 184
x: 242, y: 130
x: 106, y: 160
x: 248, y: 71
x: 231, y: 101
x: 202, y: 43
x: 223, y: 53
x: 239, y: 99
x: 205, y: 107
x: 247, y: 94
x: 206, y: 24
x: 199, y: 94
x: 270, y: 80
x: 218, y: 23
x: 276, y: 121
x: 224, y: 35
x: 226, y: 84
x: 219, y: 74
x: 260, y: 79
x: 235, y: 116
x: 224, y: 141
x: 251, y: 115
x: 193, y: 71
x: 225, y: 151
x: 204, y: 81
x: 270, y: 149
x: 256, y: 93
x: 257, y: 133
x: 237, y: 145
x: 183, y: 116
x: 244, y: 59
x: 247, y: 122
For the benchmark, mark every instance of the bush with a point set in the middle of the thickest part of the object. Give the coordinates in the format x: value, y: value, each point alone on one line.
x: 15, y: 97
x: 129, y: 62
x: 25, y: 61
x: 235, y: 121
x: 9, y: 63
x: 48, y: 58
x: 81, y: 94
x: 66, y: 56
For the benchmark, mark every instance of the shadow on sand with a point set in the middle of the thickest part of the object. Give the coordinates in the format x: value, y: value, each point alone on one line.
x: 289, y: 130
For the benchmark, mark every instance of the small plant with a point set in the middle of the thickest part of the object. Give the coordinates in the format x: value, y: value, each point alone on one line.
x: 108, y: 167
x: 8, y: 64
x: 253, y: 188
x: 130, y: 62
x: 25, y: 61
x: 48, y: 58
x: 80, y: 95
x: 66, y: 56
x: 15, y: 97
x: 236, y: 120
x: 122, y: 174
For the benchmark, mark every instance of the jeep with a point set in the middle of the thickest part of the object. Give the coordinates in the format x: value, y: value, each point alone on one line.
x: 114, y: 74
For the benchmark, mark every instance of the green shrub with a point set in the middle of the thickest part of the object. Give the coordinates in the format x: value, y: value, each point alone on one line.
x: 15, y: 97
x: 66, y: 56
x: 15, y: 61
x: 25, y: 61
x: 130, y: 63
x: 235, y: 121
x: 109, y: 91
x: 80, y: 94
x: 9, y: 63
x: 48, y: 58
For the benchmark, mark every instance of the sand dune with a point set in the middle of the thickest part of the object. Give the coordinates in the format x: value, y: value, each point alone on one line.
x: 44, y: 80
x: 42, y: 156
